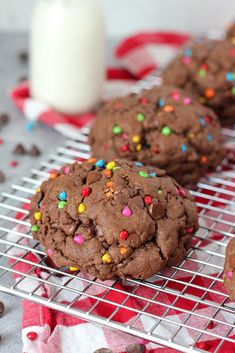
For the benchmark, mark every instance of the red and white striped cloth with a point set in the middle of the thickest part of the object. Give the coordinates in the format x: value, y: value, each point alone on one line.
x: 138, y: 56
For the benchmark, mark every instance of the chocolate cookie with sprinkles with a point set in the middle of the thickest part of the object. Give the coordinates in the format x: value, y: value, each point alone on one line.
x: 113, y: 219
x: 163, y: 127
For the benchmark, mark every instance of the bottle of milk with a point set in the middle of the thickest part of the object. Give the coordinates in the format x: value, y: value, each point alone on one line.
x: 68, y: 54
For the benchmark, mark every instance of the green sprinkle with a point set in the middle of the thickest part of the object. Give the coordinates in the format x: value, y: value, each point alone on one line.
x: 117, y: 129
x: 116, y: 168
x: 159, y: 191
x: 140, y: 117
x: 61, y: 204
x: 143, y: 174
x: 166, y: 131
x: 233, y: 90
x: 35, y: 228
x: 202, y: 73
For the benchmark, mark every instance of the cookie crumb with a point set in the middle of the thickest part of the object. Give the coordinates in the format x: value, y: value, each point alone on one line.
x: 2, y: 179
x: 4, y: 119
x: 34, y: 151
x: 19, y: 150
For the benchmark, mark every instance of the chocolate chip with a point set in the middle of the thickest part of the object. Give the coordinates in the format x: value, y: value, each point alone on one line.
x: 92, y: 177
x: 19, y: 149
x: 135, y: 348
x: 2, y: 309
x: 138, y: 201
x: 4, y: 119
x: 34, y: 151
x: 23, y: 56
x: 103, y: 350
x: 2, y: 177
x: 156, y: 210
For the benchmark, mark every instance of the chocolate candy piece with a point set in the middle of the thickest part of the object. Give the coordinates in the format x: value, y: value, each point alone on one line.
x: 19, y: 150
x: 157, y: 210
x: 135, y: 348
x: 2, y: 309
x: 34, y: 151
x: 2, y: 177
x: 93, y: 177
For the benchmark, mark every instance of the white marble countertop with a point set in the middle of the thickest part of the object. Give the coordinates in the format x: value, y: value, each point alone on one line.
x: 11, y: 69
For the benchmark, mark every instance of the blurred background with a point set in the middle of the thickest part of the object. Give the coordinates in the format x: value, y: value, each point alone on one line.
x: 125, y: 17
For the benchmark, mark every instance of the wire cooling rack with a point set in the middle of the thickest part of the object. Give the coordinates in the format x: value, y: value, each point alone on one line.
x: 206, y: 315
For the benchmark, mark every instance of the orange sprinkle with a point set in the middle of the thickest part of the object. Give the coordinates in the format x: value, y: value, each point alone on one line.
x: 169, y: 108
x: 110, y: 184
x: 209, y: 93
x: 53, y: 174
x: 107, y: 173
x: 92, y: 160
x: 123, y: 250
x: 204, y: 159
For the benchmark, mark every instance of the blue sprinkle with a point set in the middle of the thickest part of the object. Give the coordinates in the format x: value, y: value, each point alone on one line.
x: 230, y: 76
x: 161, y: 102
x: 138, y: 164
x: 188, y: 52
x: 100, y: 163
x: 63, y: 196
x: 203, y: 121
x: 30, y: 126
x: 184, y: 148
x: 209, y: 137
x: 153, y: 175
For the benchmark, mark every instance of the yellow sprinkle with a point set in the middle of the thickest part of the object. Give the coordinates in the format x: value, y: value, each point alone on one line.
x: 81, y: 208
x: 139, y: 147
x: 233, y: 40
x: 123, y: 250
x: 38, y: 190
x: 111, y: 165
x: 106, y: 258
x: 37, y: 216
x: 136, y: 139
x: 73, y: 269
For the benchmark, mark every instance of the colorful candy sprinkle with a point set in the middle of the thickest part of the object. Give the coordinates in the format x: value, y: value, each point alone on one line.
x: 124, y: 148
x: 166, y: 131
x: 49, y: 252
x: 73, y: 269
x: 136, y: 139
x: 233, y: 90
x: 62, y: 196
x: 184, y: 147
x: 209, y: 137
x: 106, y: 258
x: 230, y: 76
x: 124, y: 235
x: 116, y: 168
x: 209, y: 93
x: 187, y: 100
x: 140, y: 117
x: 208, y: 119
x: 125, y: 136
x: 139, y: 147
x: 38, y: 190
x: 143, y: 174
x: 159, y: 191
x: 111, y: 165
x: 53, y: 174
x: 32, y: 336
x: 169, y: 108
x: 175, y: 96
x: 143, y: 100
x: 126, y: 211
x: 190, y: 230
x: 38, y: 216
x: 204, y: 159
x: 230, y: 274
x: 188, y: 52
x: 203, y: 121
x: 81, y: 208
x: 186, y: 60
x: 123, y: 250
x: 108, y: 173
x: 67, y: 170
x: 138, y: 164
x: 117, y: 129
x: 202, y: 72
x: 79, y: 239
x: 161, y: 102
x: 153, y: 175
x: 147, y: 200
x: 35, y: 228
x: 92, y: 160
x: 100, y: 163
x: 86, y: 191
x: 62, y: 204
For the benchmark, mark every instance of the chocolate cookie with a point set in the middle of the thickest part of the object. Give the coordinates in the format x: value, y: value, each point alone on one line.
x: 113, y: 219
x: 229, y: 269
x: 208, y: 71
x: 162, y: 127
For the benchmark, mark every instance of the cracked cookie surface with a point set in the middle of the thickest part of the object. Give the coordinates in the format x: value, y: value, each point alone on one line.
x: 113, y: 219
x: 229, y: 269
x: 163, y: 127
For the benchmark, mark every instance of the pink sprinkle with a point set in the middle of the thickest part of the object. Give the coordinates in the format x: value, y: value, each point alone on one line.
x: 175, y: 96
x: 187, y: 101
x: 125, y: 136
x: 49, y: 252
x: 126, y: 212
x: 79, y: 239
x: 181, y: 192
x: 230, y: 274
x: 66, y: 170
x: 186, y: 60
x: 190, y: 230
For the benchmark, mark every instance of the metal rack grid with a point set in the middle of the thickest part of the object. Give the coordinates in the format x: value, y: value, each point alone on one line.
x: 197, y: 280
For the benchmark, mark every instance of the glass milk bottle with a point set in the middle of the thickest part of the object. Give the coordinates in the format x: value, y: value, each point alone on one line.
x: 67, y: 53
